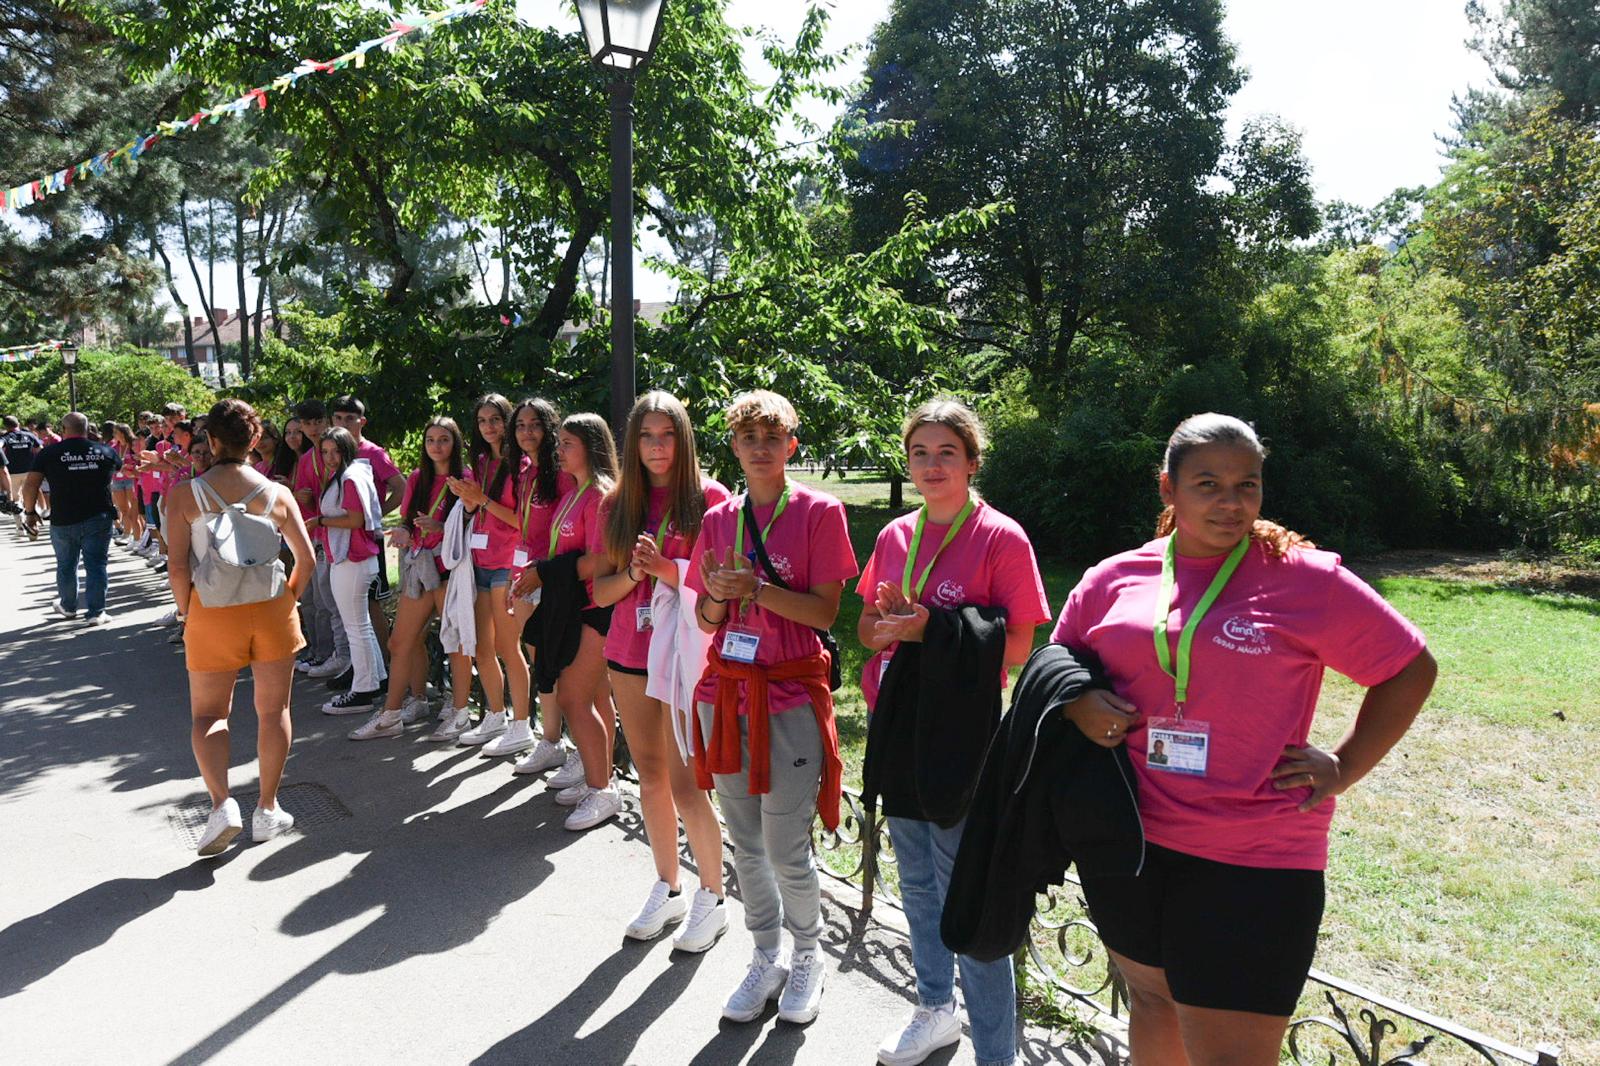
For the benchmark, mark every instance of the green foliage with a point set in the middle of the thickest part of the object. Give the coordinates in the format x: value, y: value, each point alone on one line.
x: 114, y: 385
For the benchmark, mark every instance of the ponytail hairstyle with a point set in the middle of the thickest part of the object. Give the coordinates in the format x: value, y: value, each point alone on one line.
x: 510, y: 454
x: 595, y: 436
x: 422, y: 494
x: 545, y: 466
x: 1198, y: 431
x: 630, y: 501
x: 347, y: 451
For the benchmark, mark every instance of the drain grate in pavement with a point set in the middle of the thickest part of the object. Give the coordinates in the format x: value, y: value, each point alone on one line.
x: 312, y: 805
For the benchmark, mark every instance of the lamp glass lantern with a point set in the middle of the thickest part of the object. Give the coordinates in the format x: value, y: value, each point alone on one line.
x: 622, y: 34
x: 69, y: 355
x: 69, y: 359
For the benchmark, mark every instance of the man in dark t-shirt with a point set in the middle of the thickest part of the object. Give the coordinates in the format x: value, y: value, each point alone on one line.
x: 19, y: 446
x: 79, y: 471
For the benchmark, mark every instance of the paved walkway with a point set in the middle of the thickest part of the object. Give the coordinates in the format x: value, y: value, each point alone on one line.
x: 429, y: 909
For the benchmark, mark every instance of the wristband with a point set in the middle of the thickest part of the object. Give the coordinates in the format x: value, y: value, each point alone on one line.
x: 713, y: 599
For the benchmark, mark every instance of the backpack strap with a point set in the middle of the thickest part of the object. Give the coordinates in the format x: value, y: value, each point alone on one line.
x: 253, y: 493
x: 204, y: 494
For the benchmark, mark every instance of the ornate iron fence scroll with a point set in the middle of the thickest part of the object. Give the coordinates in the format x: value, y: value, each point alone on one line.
x: 1361, y: 1027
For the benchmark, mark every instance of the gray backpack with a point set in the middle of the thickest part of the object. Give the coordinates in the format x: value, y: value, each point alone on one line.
x: 233, y: 554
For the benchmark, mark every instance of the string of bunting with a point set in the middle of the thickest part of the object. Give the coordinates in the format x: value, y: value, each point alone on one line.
x: 18, y: 197
x: 22, y: 353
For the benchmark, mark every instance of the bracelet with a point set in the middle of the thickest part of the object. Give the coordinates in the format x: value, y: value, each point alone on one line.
x: 635, y: 580
x: 701, y: 611
x: 713, y: 599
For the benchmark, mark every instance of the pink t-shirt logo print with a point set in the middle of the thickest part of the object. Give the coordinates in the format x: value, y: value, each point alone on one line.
x: 1243, y: 635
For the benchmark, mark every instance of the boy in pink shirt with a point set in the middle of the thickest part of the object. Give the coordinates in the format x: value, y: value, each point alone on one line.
x: 766, y: 738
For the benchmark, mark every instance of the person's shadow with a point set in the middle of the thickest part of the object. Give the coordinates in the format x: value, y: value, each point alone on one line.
x: 36, y: 947
x: 552, y: 1037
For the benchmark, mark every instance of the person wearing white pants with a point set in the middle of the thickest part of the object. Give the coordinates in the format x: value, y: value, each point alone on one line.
x: 349, y: 524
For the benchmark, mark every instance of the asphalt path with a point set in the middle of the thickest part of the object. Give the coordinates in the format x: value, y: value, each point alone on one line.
x: 430, y: 907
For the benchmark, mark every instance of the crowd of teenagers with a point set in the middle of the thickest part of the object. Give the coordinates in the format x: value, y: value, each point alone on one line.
x: 1160, y: 739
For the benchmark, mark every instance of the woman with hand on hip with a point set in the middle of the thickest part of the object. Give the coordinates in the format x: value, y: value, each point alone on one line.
x: 1215, y: 637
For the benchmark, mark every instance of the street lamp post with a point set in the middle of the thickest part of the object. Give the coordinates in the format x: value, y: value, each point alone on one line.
x: 622, y: 35
x: 69, y: 358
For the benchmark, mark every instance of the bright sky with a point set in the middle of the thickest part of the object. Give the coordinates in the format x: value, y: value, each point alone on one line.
x: 1367, y: 82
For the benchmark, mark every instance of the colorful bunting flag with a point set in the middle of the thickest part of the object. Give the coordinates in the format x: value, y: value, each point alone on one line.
x: 18, y: 197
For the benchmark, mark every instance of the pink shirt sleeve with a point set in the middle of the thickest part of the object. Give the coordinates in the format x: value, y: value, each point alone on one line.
x: 1364, y: 638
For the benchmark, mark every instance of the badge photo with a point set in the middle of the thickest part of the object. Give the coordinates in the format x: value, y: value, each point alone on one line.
x: 740, y: 644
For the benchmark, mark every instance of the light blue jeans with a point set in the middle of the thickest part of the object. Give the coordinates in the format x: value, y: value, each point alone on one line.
x: 925, y: 855
x: 91, y: 539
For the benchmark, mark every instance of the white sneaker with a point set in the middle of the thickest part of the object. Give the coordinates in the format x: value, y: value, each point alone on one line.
x: 223, y: 825
x: 302, y: 666
x: 544, y: 756
x: 517, y: 738
x: 707, y: 920
x: 101, y: 619
x: 930, y: 1029
x: 171, y: 618
x: 571, y: 773
x: 265, y: 824
x: 415, y: 709
x: 601, y: 804
x: 453, y: 721
x: 329, y: 667
x: 572, y: 795
x: 492, y: 725
x: 762, y: 982
x: 155, y: 558
x: 802, y: 992
x: 60, y: 611
x: 380, y: 725
x: 660, y: 908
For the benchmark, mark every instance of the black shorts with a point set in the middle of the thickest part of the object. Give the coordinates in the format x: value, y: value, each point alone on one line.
x: 632, y: 671
x: 597, y: 619
x: 1229, y: 937
x: 379, y: 589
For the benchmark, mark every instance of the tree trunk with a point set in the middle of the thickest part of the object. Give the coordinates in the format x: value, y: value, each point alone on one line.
x: 244, y: 301
x: 194, y: 269
x: 177, y: 301
x: 897, y: 491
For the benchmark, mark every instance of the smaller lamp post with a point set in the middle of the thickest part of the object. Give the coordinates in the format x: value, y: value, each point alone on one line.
x: 69, y: 359
x: 622, y: 35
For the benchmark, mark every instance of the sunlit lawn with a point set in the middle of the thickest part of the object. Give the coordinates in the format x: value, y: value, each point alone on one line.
x: 1465, y: 874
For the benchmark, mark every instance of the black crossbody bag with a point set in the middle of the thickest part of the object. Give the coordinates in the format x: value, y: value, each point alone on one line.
x: 829, y: 644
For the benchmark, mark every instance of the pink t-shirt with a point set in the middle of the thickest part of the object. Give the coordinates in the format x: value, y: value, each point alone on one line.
x: 989, y: 564
x: 364, y: 543
x: 534, y: 515
x: 627, y: 644
x: 309, y: 475
x: 580, y: 527
x: 383, y: 467
x: 150, y: 480
x: 162, y: 476
x: 437, y: 506
x: 502, y: 536
x: 809, y: 545
x: 264, y: 468
x: 1256, y: 671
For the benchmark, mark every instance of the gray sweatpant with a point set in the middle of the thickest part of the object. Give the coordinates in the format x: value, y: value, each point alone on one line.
x: 771, y: 834
x: 331, y: 637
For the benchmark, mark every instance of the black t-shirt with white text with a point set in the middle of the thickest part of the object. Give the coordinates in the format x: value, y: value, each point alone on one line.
x: 79, y: 471
x: 19, y: 446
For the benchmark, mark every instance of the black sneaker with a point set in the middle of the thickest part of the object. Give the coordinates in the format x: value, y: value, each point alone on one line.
x: 351, y: 702
x: 343, y: 681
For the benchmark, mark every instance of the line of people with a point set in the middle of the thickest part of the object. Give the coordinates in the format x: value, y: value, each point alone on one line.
x: 638, y: 588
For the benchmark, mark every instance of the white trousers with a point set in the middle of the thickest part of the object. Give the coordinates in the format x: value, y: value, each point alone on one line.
x: 350, y: 582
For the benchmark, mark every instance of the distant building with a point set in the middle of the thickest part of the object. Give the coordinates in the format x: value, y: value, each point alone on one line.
x: 207, y: 349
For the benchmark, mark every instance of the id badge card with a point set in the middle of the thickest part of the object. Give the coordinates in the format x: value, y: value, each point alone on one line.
x: 478, y: 541
x: 740, y: 644
x: 519, y: 558
x: 642, y: 622
x: 883, y: 668
x: 533, y: 597
x: 1177, y: 746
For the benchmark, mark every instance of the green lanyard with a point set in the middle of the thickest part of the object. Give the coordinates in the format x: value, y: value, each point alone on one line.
x: 483, y: 512
x: 916, y: 544
x: 1164, y: 608
x: 738, y: 536
x: 527, y: 501
x: 661, y: 530
x: 555, y: 527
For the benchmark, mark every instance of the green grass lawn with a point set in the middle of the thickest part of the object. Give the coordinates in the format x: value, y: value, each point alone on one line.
x: 1464, y: 870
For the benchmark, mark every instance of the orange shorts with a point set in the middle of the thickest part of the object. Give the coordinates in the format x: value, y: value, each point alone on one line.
x: 231, y: 638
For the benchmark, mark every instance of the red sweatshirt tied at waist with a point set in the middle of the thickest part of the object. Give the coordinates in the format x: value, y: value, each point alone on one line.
x: 722, y: 757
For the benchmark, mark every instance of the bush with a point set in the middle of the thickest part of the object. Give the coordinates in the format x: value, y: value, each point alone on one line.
x: 114, y: 385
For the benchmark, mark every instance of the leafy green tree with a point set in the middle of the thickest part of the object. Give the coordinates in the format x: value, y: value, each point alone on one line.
x: 115, y: 384
x: 1544, y: 51
x: 1103, y: 126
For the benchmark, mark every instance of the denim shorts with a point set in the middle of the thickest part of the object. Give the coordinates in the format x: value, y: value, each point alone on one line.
x: 486, y: 579
x: 121, y: 484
